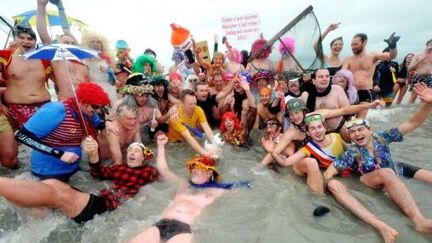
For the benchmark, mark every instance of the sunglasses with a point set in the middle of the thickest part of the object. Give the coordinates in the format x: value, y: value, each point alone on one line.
x: 357, y: 122
x: 193, y: 80
x: 96, y: 107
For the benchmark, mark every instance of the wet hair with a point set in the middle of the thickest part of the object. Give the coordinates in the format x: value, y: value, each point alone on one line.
x: 186, y: 92
x: 363, y: 37
x: 428, y: 42
x: 336, y: 39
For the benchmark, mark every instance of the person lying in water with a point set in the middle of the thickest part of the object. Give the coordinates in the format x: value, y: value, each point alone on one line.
x: 191, y: 198
x: 369, y: 156
x: 82, y: 206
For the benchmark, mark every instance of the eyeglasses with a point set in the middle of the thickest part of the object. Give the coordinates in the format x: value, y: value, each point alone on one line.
x: 357, y: 122
x: 271, y: 123
x: 193, y: 80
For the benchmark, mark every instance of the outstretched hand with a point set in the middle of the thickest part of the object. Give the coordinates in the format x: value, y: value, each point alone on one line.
x: 424, y: 92
x: 377, y: 103
x: 333, y: 26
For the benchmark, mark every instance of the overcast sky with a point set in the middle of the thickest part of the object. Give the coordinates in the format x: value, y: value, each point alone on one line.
x: 145, y: 24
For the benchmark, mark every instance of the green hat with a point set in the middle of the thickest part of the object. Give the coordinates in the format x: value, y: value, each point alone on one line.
x: 312, y: 117
x: 295, y: 105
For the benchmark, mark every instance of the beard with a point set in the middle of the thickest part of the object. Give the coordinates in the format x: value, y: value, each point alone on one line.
x: 357, y: 51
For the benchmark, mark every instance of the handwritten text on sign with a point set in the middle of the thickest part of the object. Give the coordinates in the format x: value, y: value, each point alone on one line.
x: 242, y: 27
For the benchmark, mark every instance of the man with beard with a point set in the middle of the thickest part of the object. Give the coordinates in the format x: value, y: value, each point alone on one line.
x: 362, y: 65
x: 17, y: 72
x: 324, y: 95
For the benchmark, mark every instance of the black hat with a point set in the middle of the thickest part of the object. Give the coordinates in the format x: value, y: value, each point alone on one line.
x: 24, y: 28
x: 159, y: 80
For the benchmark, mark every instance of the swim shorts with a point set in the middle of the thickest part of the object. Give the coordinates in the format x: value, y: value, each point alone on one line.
x: 21, y: 113
x: 96, y: 205
x: 407, y: 169
x: 168, y: 228
x: 421, y: 78
x: 365, y: 95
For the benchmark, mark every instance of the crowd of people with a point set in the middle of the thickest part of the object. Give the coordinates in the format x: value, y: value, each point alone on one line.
x: 109, y: 106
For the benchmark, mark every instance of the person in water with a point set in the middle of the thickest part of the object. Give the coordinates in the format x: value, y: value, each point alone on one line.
x: 191, y: 198
x: 369, y: 156
x: 81, y: 206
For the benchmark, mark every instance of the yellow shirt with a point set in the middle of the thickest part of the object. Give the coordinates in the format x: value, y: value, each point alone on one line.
x: 176, y: 128
x: 334, y: 149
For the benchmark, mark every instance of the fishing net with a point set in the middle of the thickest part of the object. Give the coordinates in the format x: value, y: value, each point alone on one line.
x: 297, y: 47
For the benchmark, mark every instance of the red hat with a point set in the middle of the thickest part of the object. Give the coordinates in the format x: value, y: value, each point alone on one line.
x: 91, y: 93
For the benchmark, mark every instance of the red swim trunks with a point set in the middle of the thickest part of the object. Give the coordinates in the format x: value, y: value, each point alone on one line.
x: 19, y: 114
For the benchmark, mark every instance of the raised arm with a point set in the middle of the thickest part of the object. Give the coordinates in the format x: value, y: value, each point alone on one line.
x: 90, y: 146
x: 416, y: 119
x: 161, y: 161
x: 225, y: 91
x: 331, y: 27
x: 41, y: 24
x: 245, y: 86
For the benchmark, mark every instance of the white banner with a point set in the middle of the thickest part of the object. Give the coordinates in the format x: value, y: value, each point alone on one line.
x: 245, y: 27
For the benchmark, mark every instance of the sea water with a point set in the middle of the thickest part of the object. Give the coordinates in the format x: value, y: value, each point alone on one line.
x: 278, y: 207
